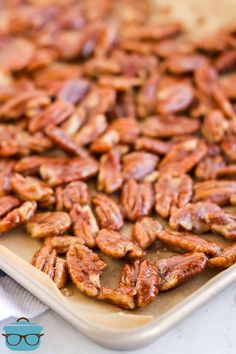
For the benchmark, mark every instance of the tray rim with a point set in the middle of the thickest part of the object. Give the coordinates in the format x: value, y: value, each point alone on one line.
x: 124, y: 339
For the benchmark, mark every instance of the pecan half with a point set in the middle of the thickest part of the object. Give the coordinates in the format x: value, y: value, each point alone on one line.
x: 108, y: 212
x: 85, y: 268
x: 137, y: 199
x: 176, y: 270
x: 172, y: 192
x: 74, y: 91
x: 106, y: 141
x: 209, y: 167
x: 73, y: 193
x: 215, y: 191
x: 84, y: 224
x: 222, y: 223
x: 127, y: 128
x: 109, y: 177
x: 61, y: 243
x: 145, y: 231
x: 214, y: 126
x: 91, y: 130
x: 6, y: 167
x: 228, y: 146
x: 184, y: 63
x: 47, y: 261
x: 138, y: 164
x: 188, y: 242
x: 116, y: 245
x: 225, y: 259
x: 154, y: 146
x: 7, y: 203
x: 48, y: 224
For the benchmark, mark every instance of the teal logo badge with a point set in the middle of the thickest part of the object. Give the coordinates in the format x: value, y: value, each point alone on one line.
x: 22, y: 335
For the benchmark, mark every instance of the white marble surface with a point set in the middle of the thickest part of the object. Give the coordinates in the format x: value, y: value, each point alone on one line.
x: 210, y: 330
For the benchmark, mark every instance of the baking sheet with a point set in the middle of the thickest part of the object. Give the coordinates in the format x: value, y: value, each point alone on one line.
x: 104, y: 323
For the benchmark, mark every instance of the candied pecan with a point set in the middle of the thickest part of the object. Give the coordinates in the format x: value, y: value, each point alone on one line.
x: 225, y: 259
x: 91, y: 130
x: 223, y: 102
x: 47, y: 261
x: 137, y: 199
x: 144, y: 231
x: 72, y: 193
x: 184, y: 63
x: 122, y: 296
x: 61, y: 171
x: 188, y: 242
x: 56, y: 113
x: 7, y: 203
x: 192, y: 217
x: 127, y: 129
x: 205, y: 78
x: 228, y: 172
x: 109, y: 177
x: 209, y: 167
x: 228, y: 146
x: 31, y: 188
x: 6, y: 167
x: 172, y: 192
x: 61, y: 243
x: 176, y: 270
x: 85, y: 268
x: 146, y: 98
x: 17, y: 216
x: 174, y: 97
x: 228, y: 84
x: 102, y: 66
x: 98, y: 101
x: 153, y: 31
x: 183, y: 156
x: 106, y: 141
x: 138, y: 164
x: 166, y: 127
x: 226, y: 61
x: 73, y: 91
x: 108, y: 212
x: 154, y: 146
x: 48, y: 224
x: 214, y: 126
x: 222, y: 223
x: 119, y: 83
x: 215, y: 191
x: 116, y: 245
x: 84, y: 224
x: 31, y: 164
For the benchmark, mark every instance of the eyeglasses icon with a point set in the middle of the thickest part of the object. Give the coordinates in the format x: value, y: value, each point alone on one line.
x: 14, y: 339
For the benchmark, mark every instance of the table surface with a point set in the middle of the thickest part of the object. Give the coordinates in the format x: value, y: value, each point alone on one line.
x: 211, y: 329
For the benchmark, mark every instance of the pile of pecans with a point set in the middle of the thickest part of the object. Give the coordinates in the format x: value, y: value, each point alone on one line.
x: 95, y: 90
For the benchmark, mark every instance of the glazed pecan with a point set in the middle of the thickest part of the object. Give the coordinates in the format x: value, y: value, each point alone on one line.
x: 56, y: 172
x: 137, y: 165
x: 48, y: 224
x: 145, y: 231
x: 209, y: 167
x: 172, y: 192
x: 127, y: 128
x: 176, y: 270
x: 154, y: 146
x: 192, y: 217
x: 85, y: 268
x: 228, y: 172
x: 108, y: 212
x: 160, y: 127
x: 73, y: 91
x: 225, y: 259
x: 226, y: 61
x: 47, y: 261
x: 17, y: 216
x: 31, y: 188
x: 6, y: 167
x: 109, y: 177
x: 119, y: 83
x: 61, y: 243
x: 7, y: 203
x: 228, y: 146
x: 153, y: 31
x: 214, y: 126
x: 116, y: 245
x: 184, y: 63
x: 222, y: 223
x: 91, y: 130
x: 146, y: 98
x: 31, y: 164
x: 84, y: 224
x: 137, y: 199
x: 183, y: 156
x: 73, y: 193
x: 106, y: 141
x: 188, y: 242
x: 215, y: 191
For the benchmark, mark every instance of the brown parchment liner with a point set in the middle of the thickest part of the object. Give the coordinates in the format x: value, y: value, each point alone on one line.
x: 17, y: 248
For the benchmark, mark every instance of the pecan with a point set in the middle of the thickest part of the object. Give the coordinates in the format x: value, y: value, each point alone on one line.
x: 56, y: 113
x: 61, y: 243
x: 225, y: 259
x: 176, y: 270
x: 228, y: 146
x: 31, y: 164
x: 119, y: 83
x: 116, y: 245
x: 183, y: 156
x: 192, y: 217
x: 209, y: 167
x: 127, y: 128
x: 84, y: 224
x: 91, y: 130
x: 61, y: 171
x: 228, y: 84
x: 106, y: 141
x: 172, y: 192
x: 154, y: 146
x: 73, y: 91
x: 48, y: 224
x: 47, y: 261
x: 146, y: 98
x: 85, y: 268
x: 7, y: 203
x: 137, y: 199
x: 153, y: 32
x: 6, y: 167
x: 31, y: 188
x: 228, y: 172
x: 17, y: 216
x: 215, y: 191
x: 188, y: 242
x: 108, y: 212
x: 214, y: 126
x: 145, y: 231
x: 226, y: 61
x: 109, y: 177
x: 72, y: 193
x: 184, y: 63
x: 222, y: 223
x: 159, y: 127
x: 137, y: 165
